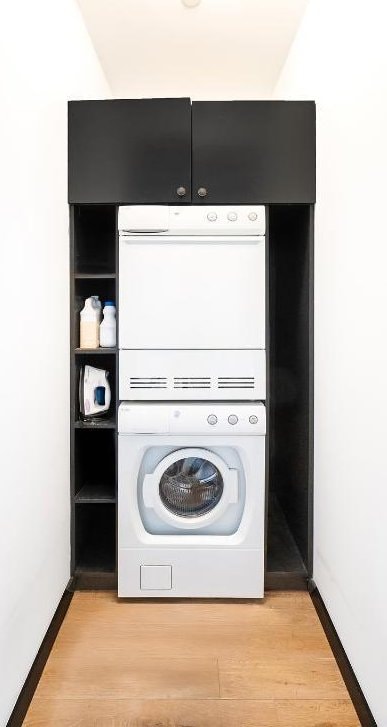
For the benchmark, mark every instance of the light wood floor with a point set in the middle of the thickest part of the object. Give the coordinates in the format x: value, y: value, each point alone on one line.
x: 209, y: 664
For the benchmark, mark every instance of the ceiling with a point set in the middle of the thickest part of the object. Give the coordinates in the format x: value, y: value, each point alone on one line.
x: 222, y: 49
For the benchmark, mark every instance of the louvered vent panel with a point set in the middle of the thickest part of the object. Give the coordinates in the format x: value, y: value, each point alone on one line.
x: 236, y: 382
x: 192, y: 382
x: 150, y: 382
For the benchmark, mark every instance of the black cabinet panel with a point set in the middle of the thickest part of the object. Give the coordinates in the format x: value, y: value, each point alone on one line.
x: 130, y: 151
x: 253, y: 151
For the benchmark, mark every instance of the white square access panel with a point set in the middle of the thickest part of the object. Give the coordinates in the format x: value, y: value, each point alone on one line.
x: 155, y: 577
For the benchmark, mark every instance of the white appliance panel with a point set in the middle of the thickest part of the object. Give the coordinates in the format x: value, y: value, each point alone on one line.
x: 204, y: 418
x: 192, y: 219
x: 192, y: 375
x: 195, y: 573
x: 192, y: 292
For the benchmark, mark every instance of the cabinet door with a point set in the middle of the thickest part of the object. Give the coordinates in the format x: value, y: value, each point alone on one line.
x: 130, y: 151
x: 253, y: 151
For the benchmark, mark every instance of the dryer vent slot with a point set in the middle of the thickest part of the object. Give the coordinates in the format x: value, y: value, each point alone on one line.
x: 236, y: 382
x: 192, y: 382
x: 151, y: 382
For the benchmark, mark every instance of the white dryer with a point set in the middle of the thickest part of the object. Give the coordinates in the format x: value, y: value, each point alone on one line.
x: 192, y: 303
x: 191, y: 500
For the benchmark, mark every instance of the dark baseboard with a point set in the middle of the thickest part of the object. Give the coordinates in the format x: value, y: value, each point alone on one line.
x: 28, y: 690
x: 355, y: 692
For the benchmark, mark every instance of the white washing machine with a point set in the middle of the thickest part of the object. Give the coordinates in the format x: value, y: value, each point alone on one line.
x: 191, y: 500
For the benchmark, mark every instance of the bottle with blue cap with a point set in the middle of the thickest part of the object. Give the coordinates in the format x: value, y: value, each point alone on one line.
x: 107, y: 329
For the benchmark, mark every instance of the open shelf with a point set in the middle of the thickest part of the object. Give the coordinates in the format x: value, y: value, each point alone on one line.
x: 95, y: 240
x: 84, y: 287
x: 95, y: 423
x: 290, y: 395
x: 107, y: 362
x: 94, y: 276
x: 95, y: 493
x: 95, y: 537
x: 97, y: 351
x: 95, y: 471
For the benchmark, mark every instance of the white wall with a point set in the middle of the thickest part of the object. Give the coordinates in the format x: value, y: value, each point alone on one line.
x: 221, y: 49
x: 339, y: 57
x: 46, y: 57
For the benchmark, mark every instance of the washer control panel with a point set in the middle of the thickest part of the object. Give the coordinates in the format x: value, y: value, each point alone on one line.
x: 192, y: 418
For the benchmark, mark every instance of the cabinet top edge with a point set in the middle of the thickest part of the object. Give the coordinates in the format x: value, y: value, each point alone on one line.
x: 273, y: 102
x: 123, y: 100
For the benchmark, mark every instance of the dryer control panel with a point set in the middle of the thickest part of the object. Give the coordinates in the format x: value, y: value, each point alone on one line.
x: 191, y: 220
x: 196, y: 418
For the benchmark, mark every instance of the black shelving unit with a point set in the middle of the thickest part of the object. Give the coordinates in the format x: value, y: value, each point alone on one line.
x: 93, y: 263
x: 145, y: 152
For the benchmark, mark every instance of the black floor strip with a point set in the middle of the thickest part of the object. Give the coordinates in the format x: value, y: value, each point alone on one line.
x: 355, y: 692
x: 28, y: 690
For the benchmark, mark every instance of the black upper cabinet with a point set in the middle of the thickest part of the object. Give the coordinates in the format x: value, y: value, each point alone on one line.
x: 253, y: 151
x: 139, y: 151
x: 130, y: 151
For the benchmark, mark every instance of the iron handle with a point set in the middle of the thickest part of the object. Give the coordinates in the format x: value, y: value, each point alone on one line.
x: 202, y: 192
x: 181, y: 191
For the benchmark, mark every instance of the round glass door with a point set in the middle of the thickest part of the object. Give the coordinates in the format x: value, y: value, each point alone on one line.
x: 191, y: 487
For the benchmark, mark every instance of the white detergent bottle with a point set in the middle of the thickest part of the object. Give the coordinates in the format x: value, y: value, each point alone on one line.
x: 107, y: 329
x: 89, y: 325
x: 98, y: 305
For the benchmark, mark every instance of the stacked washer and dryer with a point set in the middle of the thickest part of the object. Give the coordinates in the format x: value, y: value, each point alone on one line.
x: 192, y: 381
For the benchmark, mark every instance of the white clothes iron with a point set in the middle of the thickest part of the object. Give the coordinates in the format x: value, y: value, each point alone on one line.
x: 94, y: 392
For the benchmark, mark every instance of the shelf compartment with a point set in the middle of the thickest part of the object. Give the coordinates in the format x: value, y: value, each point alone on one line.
x: 95, y: 538
x: 85, y: 287
x: 95, y: 465
x: 95, y: 239
x: 108, y: 363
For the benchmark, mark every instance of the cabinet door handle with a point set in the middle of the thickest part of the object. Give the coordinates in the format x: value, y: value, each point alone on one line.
x: 181, y: 191
x: 202, y: 192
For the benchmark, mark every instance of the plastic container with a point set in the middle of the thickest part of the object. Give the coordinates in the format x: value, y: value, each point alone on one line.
x: 89, y: 324
x: 108, y: 327
x: 98, y: 305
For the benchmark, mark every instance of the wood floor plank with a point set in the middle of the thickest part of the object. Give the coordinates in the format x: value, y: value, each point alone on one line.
x: 124, y: 713
x: 287, y: 677
x: 191, y: 713
x: 292, y: 610
x: 209, y: 640
x: 312, y: 713
x: 191, y: 664
x: 101, y: 673
x: 288, y: 713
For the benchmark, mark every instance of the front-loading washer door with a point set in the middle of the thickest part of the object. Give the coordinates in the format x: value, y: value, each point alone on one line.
x: 190, y: 489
